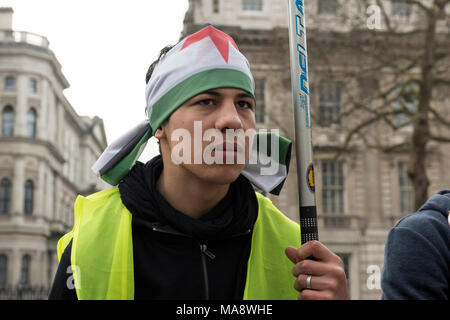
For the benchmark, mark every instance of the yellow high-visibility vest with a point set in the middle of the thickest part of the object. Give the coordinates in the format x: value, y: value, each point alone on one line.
x: 102, y: 250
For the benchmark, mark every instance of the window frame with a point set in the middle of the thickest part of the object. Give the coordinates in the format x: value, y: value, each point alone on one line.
x: 3, y: 269
x: 252, y: 5
x: 25, y: 268
x: 29, y: 198
x: 10, y: 83
x: 10, y: 122
x: 400, y: 102
x: 5, y: 195
x: 331, y: 207
x: 33, y: 122
x: 324, y: 5
x: 33, y: 85
x: 400, y: 9
x: 329, y: 109
x: 216, y: 6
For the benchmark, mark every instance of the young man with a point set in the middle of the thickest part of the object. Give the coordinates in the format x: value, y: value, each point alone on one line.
x: 192, y: 229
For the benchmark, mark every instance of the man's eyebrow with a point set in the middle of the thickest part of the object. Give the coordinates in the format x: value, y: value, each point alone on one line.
x: 245, y: 95
x: 211, y: 92
x: 240, y: 95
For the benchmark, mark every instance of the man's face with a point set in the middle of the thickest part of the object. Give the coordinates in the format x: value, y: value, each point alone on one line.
x: 215, y: 111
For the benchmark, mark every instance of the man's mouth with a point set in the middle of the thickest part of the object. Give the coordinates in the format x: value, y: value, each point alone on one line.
x: 228, y: 150
x: 229, y: 147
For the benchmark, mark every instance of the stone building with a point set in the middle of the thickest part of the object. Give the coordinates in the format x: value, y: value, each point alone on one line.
x: 365, y: 191
x: 46, y: 151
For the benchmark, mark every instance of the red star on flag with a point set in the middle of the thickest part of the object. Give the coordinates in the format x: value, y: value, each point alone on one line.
x: 221, y: 40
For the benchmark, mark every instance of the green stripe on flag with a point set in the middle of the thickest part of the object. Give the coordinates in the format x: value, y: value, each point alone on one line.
x: 284, y: 145
x: 194, y: 85
x: 121, y: 169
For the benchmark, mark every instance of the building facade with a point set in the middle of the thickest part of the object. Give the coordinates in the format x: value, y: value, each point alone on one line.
x: 361, y: 194
x: 46, y: 151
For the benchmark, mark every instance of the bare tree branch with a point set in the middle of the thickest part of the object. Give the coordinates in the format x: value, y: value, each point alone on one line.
x: 438, y: 117
x: 440, y: 139
x: 441, y: 81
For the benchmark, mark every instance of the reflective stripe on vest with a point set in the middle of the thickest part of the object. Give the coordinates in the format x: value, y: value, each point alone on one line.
x: 102, y: 250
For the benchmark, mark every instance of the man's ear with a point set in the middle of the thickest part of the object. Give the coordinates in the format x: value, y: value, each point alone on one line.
x: 160, y: 133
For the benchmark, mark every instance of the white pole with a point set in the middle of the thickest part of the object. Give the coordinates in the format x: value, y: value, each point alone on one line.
x: 302, y: 121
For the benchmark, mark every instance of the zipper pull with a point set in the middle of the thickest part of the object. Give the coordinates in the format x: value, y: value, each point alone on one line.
x: 204, y: 250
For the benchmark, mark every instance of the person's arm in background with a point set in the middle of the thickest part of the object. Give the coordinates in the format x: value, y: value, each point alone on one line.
x: 416, y: 262
x: 63, y: 288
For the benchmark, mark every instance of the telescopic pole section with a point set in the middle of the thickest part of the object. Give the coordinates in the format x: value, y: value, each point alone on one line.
x: 302, y: 121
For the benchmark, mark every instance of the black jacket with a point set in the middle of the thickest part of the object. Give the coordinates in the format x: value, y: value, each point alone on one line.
x: 174, y: 255
x: 417, y: 254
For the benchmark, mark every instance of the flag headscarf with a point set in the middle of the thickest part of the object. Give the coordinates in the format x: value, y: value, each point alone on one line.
x: 206, y: 60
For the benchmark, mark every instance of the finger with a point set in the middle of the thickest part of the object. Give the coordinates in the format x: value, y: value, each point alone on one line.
x: 322, y: 283
x: 300, y: 284
x: 315, y: 295
x: 316, y: 249
x: 291, y: 253
x: 314, y: 268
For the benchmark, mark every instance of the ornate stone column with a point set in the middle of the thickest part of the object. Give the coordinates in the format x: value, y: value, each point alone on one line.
x: 59, y: 126
x: 40, y: 196
x: 16, y: 264
x: 18, y: 185
x: 20, y: 129
x: 57, y: 199
x: 42, y: 130
x: 51, y: 117
x: 49, y: 194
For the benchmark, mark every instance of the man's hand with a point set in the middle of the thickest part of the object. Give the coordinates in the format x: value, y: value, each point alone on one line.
x: 327, y: 279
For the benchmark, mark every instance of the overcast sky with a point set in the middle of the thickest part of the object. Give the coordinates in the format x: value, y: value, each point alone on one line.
x: 105, y: 48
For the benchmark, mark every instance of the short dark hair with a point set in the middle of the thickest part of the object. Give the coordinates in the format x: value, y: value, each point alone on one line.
x: 162, y: 53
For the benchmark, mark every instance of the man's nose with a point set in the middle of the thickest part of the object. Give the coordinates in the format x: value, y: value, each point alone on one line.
x: 228, y: 116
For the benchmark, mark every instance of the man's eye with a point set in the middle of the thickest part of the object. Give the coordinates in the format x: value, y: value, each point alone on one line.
x: 206, y: 102
x: 244, y: 104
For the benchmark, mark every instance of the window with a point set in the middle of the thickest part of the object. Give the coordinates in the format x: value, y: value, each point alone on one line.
x: 330, y: 102
x: 260, y: 108
x: 405, y: 189
x: 401, y: 8
x: 252, y: 5
x: 10, y: 84
x: 25, y: 270
x: 406, y: 101
x: 327, y: 6
x: 3, y: 269
x: 8, y: 121
x: 33, y: 85
x: 29, y: 197
x: 215, y: 5
x: 333, y: 188
x: 5, y: 196
x: 31, y: 123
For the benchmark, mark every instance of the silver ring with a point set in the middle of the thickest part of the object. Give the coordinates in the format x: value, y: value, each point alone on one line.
x: 308, y: 282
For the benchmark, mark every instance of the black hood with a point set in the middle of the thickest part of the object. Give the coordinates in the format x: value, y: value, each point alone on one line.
x: 235, y: 214
x: 439, y: 202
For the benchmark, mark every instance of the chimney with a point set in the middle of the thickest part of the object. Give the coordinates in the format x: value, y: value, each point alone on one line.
x: 6, y: 15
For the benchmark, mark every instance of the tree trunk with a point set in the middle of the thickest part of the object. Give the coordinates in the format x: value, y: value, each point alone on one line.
x: 421, y: 127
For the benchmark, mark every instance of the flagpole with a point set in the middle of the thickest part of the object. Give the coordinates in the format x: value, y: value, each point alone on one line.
x: 302, y: 121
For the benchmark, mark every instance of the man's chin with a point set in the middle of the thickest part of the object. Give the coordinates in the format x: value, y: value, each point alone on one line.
x: 219, y: 173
